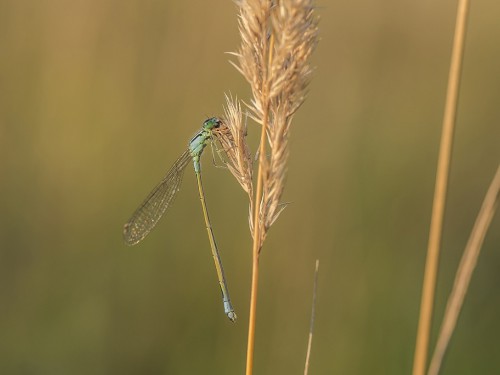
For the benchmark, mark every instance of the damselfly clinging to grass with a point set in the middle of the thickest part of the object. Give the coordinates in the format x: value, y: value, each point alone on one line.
x: 154, y: 206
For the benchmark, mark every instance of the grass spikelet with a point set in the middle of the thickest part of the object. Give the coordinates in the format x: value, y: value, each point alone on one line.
x: 231, y: 135
x: 277, y: 39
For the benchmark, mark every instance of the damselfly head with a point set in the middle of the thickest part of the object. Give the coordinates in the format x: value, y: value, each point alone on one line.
x: 211, y: 123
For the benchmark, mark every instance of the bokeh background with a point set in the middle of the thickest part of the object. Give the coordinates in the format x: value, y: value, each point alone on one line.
x: 99, y: 97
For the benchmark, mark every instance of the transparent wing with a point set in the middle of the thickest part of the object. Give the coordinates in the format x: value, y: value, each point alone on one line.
x: 154, y: 206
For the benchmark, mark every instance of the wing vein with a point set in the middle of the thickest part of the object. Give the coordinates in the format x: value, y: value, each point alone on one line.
x: 156, y: 203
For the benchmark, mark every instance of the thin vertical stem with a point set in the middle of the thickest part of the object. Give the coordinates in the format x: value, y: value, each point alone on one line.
x: 313, y: 316
x: 257, y: 226
x: 444, y: 159
x: 464, y: 272
x: 255, y: 257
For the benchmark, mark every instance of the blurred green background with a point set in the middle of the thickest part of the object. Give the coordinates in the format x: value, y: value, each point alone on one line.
x: 98, y: 98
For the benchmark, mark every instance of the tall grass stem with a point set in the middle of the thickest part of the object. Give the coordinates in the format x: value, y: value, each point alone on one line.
x: 443, y: 168
x: 255, y: 256
x: 257, y: 242
x: 464, y: 272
